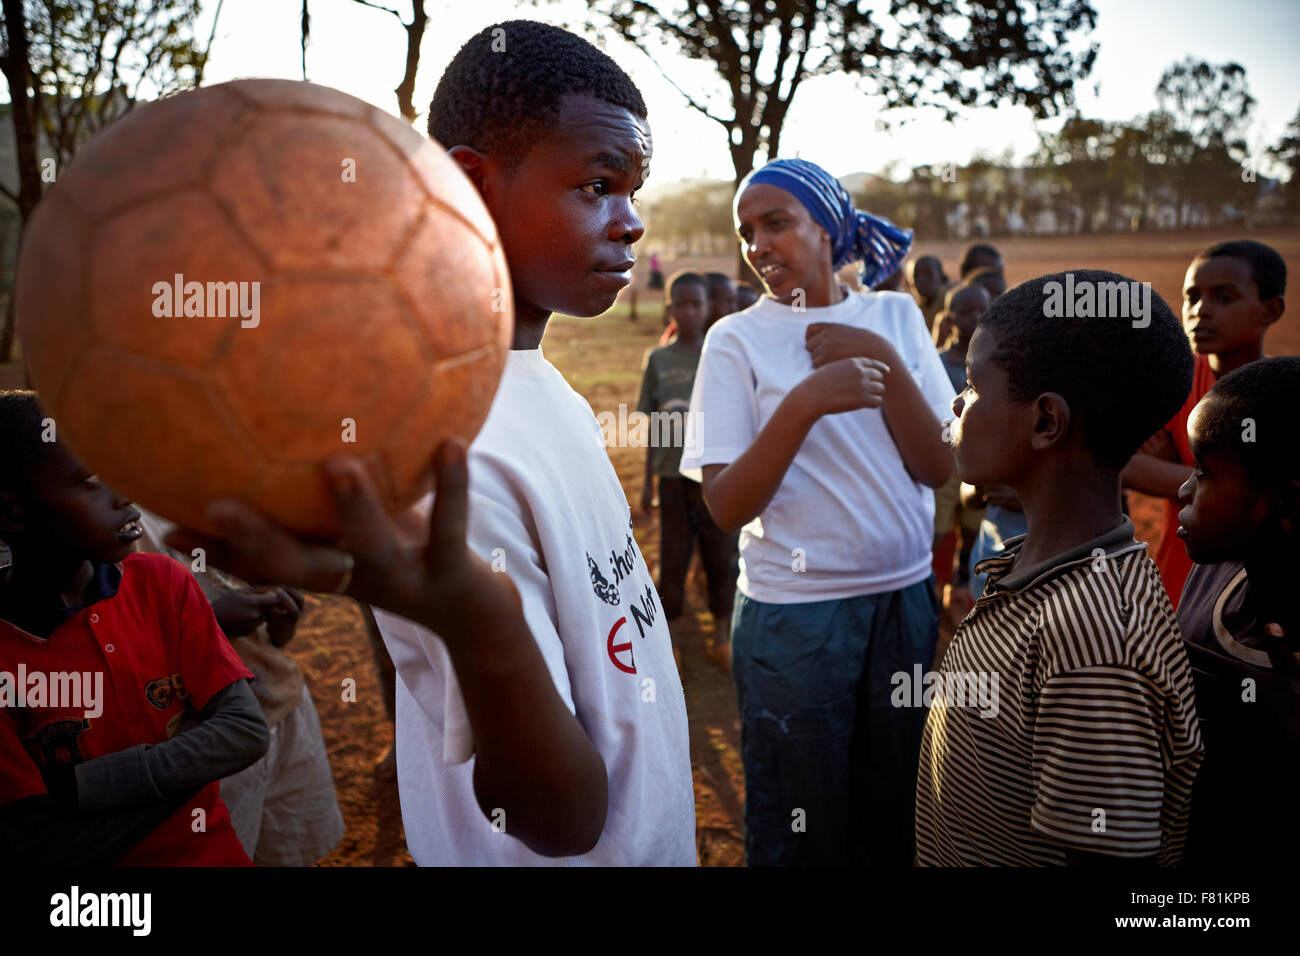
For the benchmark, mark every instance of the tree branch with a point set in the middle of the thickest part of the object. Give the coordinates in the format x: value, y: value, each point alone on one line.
x: 367, y: 3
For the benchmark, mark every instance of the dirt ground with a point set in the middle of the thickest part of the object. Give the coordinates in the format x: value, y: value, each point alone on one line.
x: 601, y: 359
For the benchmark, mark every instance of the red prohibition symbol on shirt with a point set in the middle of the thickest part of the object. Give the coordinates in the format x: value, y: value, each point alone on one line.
x: 617, y: 649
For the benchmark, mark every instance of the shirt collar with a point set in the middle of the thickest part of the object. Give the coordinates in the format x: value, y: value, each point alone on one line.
x: 41, y: 619
x: 1119, y: 540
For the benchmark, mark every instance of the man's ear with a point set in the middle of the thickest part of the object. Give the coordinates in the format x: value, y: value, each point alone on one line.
x: 474, y: 164
x: 1288, y: 507
x: 1051, y: 421
x: 11, y: 514
x: 1273, y: 309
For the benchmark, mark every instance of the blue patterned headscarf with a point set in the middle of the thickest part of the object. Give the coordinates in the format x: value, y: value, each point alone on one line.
x: 876, y: 241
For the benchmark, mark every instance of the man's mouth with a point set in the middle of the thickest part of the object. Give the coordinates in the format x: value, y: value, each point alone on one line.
x: 619, y: 274
x: 769, y: 270
x: 130, y: 530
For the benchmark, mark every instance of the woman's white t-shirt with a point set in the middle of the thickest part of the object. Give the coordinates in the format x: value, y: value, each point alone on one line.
x: 546, y: 508
x: 847, y: 519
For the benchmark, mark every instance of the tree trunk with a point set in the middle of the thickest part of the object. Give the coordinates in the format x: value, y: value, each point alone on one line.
x: 17, y: 70
x: 414, y: 36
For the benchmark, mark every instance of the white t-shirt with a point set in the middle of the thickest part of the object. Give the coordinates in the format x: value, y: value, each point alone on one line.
x: 547, y: 508
x: 848, y: 519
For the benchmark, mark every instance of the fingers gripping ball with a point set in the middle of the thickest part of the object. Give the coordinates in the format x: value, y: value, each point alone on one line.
x: 230, y: 285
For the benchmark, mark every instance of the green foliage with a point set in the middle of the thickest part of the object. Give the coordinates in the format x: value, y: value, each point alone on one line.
x: 915, y: 53
x: 92, y: 60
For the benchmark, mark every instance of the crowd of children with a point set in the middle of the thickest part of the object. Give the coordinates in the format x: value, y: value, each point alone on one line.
x: 852, y: 453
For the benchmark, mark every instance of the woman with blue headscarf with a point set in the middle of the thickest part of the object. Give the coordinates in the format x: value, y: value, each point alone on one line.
x: 816, y: 429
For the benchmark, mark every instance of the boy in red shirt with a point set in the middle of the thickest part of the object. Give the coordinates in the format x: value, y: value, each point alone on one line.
x: 121, y: 703
x: 1232, y: 293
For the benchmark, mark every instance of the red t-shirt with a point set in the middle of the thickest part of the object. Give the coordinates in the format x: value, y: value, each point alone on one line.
x: 1171, y: 554
x: 162, y: 654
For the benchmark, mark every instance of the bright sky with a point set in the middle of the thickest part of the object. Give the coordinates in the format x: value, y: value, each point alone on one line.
x: 361, y: 50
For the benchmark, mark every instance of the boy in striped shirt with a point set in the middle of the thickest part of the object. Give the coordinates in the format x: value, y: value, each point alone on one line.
x: 1088, y: 752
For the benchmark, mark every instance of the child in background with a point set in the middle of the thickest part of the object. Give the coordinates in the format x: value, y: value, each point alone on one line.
x: 118, y: 780
x: 746, y: 295
x: 978, y: 256
x: 927, y: 282
x: 524, y: 624
x: 283, y: 806
x: 992, y: 281
x: 815, y: 425
x: 684, y: 519
x: 1080, y: 743
x: 963, y: 308
x: 891, y: 283
x: 722, y: 301
x: 1238, y: 614
x: 656, y: 272
x: 722, y: 297
x: 1232, y: 293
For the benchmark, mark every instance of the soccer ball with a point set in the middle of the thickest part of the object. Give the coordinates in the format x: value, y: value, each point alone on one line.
x: 230, y: 285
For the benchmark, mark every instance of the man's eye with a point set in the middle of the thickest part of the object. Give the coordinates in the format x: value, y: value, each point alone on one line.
x: 92, y: 480
x: 602, y: 186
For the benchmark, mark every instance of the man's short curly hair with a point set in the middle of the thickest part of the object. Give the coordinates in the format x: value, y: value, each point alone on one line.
x: 501, y: 93
x: 22, y: 444
x: 1261, y: 393
x: 1122, y: 381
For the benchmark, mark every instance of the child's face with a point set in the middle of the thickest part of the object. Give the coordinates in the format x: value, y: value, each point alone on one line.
x: 565, y: 213
x: 690, y: 308
x: 985, y: 260
x: 780, y: 240
x: 967, y: 307
x: 722, y: 298
x: 994, y: 283
x: 71, y: 512
x: 991, y: 434
x: 1222, y: 512
x: 1222, y: 311
x: 745, y: 297
x: 927, y: 277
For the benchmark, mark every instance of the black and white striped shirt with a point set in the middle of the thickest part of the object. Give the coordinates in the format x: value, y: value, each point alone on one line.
x: 1094, y: 743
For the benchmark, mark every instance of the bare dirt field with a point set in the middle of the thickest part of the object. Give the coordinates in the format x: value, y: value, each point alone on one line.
x: 602, y: 360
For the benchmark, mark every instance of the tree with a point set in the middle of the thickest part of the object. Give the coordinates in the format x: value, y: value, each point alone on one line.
x: 1213, y: 106
x: 1287, y: 152
x: 1079, y: 156
x: 924, y: 53
x: 414, y: 37
x: 73, y: 66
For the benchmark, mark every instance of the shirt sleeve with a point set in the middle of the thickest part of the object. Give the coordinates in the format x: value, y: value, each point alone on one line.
x: 647, y: 402
x: 34, y: 832
x: 498, y: 532
x: 931, y: 376
x: 1098, y: 771
x: 231, y: 736
x: 723, y: 418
